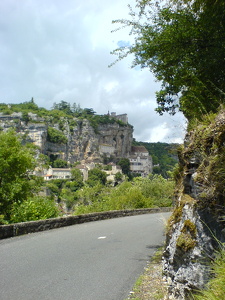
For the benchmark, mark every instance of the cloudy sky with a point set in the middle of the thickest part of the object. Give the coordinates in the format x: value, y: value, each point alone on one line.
x: 55, y: 50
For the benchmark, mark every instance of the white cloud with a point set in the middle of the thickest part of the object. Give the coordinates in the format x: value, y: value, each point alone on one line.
x: 60, y: 50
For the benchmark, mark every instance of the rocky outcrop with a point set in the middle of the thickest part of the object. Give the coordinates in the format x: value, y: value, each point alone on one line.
x: 84, y: 142
x: 196, y: 228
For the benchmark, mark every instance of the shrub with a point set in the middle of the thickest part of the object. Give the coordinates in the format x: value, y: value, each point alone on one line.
x: 96, y: 176
x: 36, y: 208
x: 59, y: 163
x: 139, y: 193
x: 215, y: 289
x: 56, y: 136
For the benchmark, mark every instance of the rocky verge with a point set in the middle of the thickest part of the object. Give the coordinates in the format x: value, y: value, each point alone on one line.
x: 196, y: 228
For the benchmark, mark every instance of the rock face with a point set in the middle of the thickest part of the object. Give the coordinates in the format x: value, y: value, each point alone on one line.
x: 84, y: 143
x: 109, y: 140
x: 196, y: 227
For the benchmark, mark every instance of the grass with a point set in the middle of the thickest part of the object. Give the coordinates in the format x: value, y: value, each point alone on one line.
x: 215, y: 289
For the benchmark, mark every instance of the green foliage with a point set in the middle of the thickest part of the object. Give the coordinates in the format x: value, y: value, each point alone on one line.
x: 77, y: 177
x: 215, y: 289
x: 25, y: 107
x: 63, y: 106
x: 206, y: 146
x: 3, y: 221
x: 185, y: 241
x: 59, y: 163
x: 61, y: 113
x: 43, y: 161
x: 124, y: 163
x: 32, y: 209
x: 160, y: 189
x: 65, y: 189
x: 53, y: 187
x: 164, y: 156
x: 16, y: 161
x: 180, y: 41
x: 139, y: 193
x: 56, y: 136
x: 187, y: 238
x: 96, y: 176
x: 118, y: 176
x: 25, y: 117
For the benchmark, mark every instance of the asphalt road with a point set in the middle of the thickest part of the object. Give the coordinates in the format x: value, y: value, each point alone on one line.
x: 91, y: 261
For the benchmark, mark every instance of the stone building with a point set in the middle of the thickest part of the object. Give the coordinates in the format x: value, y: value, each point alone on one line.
x: 57, y: 173
x: 140, y: 161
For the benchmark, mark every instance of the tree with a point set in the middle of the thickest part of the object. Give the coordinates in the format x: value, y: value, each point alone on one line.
x: 36, y: 208
x: 124, y: 163
x: 16, y: 163
x: 118, y: 176
x: 25, y: 117
x: 63, y: 106
x: 77, y: 176
x: 59, y: 163
x: 56, y: 136
x: 96, y: 176
x: 183, y: 43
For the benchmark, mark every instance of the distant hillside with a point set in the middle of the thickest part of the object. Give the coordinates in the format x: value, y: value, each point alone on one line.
x: 164, y: 156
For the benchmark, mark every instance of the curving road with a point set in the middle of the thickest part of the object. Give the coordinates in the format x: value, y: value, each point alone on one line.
x: 91, y: 261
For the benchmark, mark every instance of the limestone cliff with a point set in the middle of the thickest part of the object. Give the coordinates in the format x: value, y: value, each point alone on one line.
x: 84, y: 142
x: 196, y: 227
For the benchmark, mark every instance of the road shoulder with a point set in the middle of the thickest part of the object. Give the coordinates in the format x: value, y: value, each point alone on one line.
x: 150, y: 285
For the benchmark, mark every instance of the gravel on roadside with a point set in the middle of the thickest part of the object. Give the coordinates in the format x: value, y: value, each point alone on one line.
x: 150, y: 285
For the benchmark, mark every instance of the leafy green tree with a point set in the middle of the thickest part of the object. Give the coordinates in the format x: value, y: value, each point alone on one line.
x: 183, y: 43
x: 59, y: 163
x: 43, y: 161
x: 76, y: 109
x: 124, y: 163
x: 16, y: 163
x: 77, y: 177
x: 96, y: 176
x: 64, y: 106
x: 88, y: 111
x: 25, y: 117
x: 56, y: 136
x: 154, y: 191
x: 36, y: 208
x: 164, y: 156
x: 118, y: 176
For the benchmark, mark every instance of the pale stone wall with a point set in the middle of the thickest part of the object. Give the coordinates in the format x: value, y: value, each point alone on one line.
x: 16, y: 229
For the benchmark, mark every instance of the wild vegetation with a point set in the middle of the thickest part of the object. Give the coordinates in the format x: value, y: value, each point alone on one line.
x: 180, y: 41
x: 215, y: 289
x: 183, y: 43
x: 154, y: 191
x: 58, y: 114
x: 20, y: 189
x: 164, y: 156
x: 18, y: 186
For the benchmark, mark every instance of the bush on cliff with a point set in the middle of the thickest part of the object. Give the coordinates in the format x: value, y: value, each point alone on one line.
x: 56, y: 136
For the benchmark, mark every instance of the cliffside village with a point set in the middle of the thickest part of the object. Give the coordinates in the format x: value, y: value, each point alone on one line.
x: 140, y: 163
x: 112, y: 140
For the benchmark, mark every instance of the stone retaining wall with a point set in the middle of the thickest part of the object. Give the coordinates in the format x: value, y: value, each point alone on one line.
x: 16, y: 229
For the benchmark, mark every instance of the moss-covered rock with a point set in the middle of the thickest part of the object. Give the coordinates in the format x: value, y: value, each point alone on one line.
x: 196, y: 224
